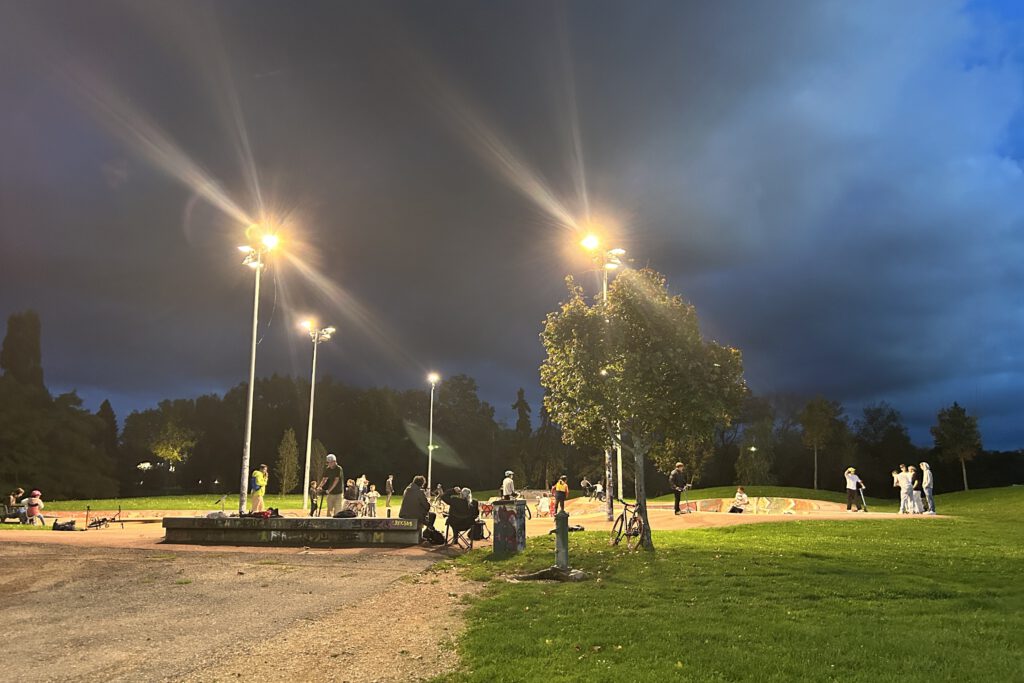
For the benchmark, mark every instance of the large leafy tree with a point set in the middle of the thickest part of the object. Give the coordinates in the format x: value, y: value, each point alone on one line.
x: 288, y: 462
x: 636, y: 366
x: 20, y: 356
x: 882, y: 442
x: 957, y: 437
x: 821, y: 420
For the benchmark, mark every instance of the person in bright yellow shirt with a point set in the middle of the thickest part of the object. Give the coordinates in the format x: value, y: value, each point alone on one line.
x: 561, y: 492
x: 259, y: 480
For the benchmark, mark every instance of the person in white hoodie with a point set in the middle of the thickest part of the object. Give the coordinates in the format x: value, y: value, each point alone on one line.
x: 905, y: 482
x: 928, y: 486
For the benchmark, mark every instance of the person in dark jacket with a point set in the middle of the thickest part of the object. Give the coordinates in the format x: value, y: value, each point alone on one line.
x: 678, y: 480
x: 415, y: 504
x: 462, y: 509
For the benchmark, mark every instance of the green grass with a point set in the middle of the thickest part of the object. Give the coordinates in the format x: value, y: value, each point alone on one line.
x: 914, y: 599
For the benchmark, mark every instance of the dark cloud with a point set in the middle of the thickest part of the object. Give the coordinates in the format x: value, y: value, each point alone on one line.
x: 837, y: 186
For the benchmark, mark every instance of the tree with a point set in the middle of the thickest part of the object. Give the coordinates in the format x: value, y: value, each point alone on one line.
x: 636, y: 366
x: 820, y: 420
x: 20, y: 356
x: 318, y: 461
x: 882, y: 442
x: 288, y: 462
x: 757, y: 454
x: 957, y: 437
x: 522, y: 408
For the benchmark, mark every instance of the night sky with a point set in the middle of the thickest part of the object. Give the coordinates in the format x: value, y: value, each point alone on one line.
x: 837, y: 187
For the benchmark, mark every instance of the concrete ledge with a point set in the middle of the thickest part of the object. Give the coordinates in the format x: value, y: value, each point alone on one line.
x: 324, y: 532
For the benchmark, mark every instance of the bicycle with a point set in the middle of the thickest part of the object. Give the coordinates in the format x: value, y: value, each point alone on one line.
x: 628, y: 525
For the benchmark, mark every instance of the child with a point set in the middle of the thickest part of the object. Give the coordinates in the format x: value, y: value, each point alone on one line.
x: 33, y: 508
x: 313, y: 493
x: 739, y: 504
x: 371, y: 500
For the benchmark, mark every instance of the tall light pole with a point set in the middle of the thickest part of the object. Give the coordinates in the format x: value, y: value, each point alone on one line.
x: 254, y: 258
x: 433, y: 378
x: 609, y: 260
x: 318, y: 335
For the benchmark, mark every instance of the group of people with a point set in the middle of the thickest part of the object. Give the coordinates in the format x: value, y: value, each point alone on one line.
x: 916, y: 489
x: 357, y: 495
x: 28, y: 509
x: 463, y: 510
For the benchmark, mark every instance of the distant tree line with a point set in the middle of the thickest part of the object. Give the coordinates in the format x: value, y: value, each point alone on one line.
x: 194, y: 444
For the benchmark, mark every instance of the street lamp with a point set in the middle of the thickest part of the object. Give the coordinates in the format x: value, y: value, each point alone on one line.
x: 318, y: 335
x: 433, y: 378
x: 609, y: 260
x: 254, y: 258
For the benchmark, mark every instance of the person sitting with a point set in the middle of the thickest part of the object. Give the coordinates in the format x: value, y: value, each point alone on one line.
x: 352, y: 498
x: 415, y: 504
x: 740, y: 502
x: 462, y: 509
x: 544, y: 505
x: 33, y: 508
x: 12, y: 506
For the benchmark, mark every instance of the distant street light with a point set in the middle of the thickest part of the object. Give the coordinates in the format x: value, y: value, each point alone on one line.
x: 608, y: 260
x: 254, y: 258
x: 433, y: 378
x: 318, y: 335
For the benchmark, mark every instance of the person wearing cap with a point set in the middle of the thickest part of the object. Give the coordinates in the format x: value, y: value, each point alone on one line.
x: 33, y: 508
x: 508, y: 487
x: 259, y: 487
x: 333, y: 484
x: 561, y: 492
x: 853, y: 485
x: 678, y: 481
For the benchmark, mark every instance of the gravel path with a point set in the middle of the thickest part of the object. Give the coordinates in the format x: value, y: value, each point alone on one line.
x: 120, y: 614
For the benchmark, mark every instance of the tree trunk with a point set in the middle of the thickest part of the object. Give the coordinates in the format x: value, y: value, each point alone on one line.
x: 815, y: 467
x: 963, y: 467
x: 639, y: 456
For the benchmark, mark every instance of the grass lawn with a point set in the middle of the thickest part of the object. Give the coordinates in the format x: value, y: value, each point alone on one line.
x: 861, y: 600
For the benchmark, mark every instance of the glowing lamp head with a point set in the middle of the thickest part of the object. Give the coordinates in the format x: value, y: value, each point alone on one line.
x: 306, y: 325
x: 433, y: 378
x: 270, y: 241
x: 617, y: 252
x: 329, y: 330
x: 611, y: 266
x: 590, y: 242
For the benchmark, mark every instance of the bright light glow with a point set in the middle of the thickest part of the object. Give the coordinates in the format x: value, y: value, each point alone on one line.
x: 433, y: 378
x: 590, y: 242
x: 307, y: 324
x: 617, y: 252
x: 611, y: 266
x: 270, y: 241
x: 245, y: 249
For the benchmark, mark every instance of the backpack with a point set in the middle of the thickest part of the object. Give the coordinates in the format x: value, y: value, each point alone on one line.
x: 478, y: 531
x: 253, y: 486
x: 433, y: 536
x: 64, y: 526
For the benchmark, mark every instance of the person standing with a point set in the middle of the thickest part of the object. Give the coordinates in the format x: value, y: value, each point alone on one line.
x: 508, y: 487
x: 389, y: 490
x: 928, y: 487
x: 259, y: 487
x: 313, y: 493
x: 678, y: 481
x: 586, y: 487
x: 905, y: 481
x: 853, y: 486
x: 371, y: 500
x: 561, y: 493
x: 915, y: 490
x: 332, y: 483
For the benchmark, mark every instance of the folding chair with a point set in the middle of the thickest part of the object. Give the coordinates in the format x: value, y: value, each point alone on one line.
x: 458, y: 536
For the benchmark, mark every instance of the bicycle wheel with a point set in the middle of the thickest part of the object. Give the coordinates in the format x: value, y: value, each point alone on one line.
x: 618, y: 530
x: 635, y: 533
x: 529, y: 515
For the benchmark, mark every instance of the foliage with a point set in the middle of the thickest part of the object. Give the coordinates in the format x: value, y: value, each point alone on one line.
x: 287, y: 468
x: 821, y: 420
x: 21, y: 354
x: 757, y: 453
x: 636, y: 366
x: 956, y: 436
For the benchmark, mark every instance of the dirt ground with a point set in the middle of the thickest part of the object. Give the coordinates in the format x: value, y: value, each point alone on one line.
x: 119, y: 605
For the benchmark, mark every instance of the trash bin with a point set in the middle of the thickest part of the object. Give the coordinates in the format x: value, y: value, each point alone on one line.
x: 508, y: 520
